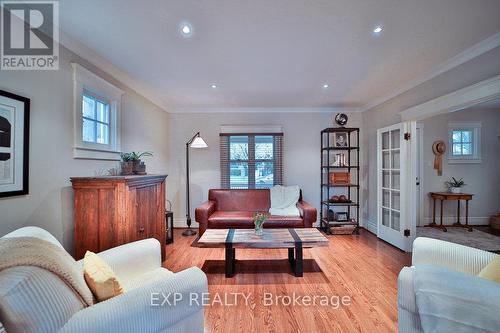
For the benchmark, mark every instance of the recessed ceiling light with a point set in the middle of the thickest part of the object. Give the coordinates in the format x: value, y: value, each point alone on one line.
x: 326, y: 86
x: 378, y: 29
x: 213, y: 86
x: 186, y: 29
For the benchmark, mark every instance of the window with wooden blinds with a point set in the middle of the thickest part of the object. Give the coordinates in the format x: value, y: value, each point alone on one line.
x: 249, y: 161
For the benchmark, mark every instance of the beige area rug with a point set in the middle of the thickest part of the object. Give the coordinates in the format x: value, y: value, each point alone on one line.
x: 476, y: 238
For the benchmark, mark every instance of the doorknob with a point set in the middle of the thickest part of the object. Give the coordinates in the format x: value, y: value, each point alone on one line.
x: 141, y: 230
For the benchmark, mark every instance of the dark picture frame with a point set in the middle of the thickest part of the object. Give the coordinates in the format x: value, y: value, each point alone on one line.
x: 14, y: 143
x: 341, y: 216
x: 341, y: 139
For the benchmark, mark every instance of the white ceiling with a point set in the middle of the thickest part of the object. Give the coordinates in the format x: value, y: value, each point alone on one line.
x: 278, y: 53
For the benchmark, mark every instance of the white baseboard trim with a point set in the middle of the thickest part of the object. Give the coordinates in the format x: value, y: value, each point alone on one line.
x: 371, y: 226
x: 180, y: 222
x: 473, y: 220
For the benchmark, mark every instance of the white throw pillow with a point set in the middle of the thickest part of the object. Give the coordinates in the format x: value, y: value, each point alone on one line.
x: 284, y: 200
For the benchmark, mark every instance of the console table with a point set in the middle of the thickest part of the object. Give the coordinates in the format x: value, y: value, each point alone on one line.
x: 443, y: 196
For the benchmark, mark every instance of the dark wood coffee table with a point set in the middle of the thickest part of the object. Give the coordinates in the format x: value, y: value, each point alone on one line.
x: 292, y: 239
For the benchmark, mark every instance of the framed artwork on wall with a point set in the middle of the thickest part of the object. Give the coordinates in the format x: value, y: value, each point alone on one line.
x: 14, y: 144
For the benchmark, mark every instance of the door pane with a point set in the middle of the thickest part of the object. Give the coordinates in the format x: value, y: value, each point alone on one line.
x: 395, y: 200
x: 386, y: 179
x: 264, y: 174
x: 385, y: 198
x: 238, y: 177
x: 395, y: 155
x: 385, y: 217
x: 395, y: 220
x: 385, y: 140
x: 395, y: 180
x: 386, y: 160
x: 395, y: 139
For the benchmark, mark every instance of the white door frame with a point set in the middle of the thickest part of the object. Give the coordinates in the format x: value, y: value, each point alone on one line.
x: 419, y: 164
x: 484, y: 91
x: 481, y: 92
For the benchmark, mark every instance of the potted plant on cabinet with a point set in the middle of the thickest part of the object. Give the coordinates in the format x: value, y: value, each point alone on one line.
x: 139, y: 168
x: 454, y: 185
x: 126, y: 164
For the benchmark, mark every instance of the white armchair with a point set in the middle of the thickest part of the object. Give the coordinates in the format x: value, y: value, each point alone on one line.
x: 428, y: 251
x: 35, y: 300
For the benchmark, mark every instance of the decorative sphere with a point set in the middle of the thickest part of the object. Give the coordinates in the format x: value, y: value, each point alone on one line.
x: 341, y: 119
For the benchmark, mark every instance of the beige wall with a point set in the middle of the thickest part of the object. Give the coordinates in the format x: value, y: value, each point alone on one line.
x: 482, y: 179
x: 301, y: 152
x: 50, y: 201
x: 473, y: 71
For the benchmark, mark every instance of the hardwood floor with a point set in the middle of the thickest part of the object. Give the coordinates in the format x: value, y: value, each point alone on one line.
x: 361, y: 267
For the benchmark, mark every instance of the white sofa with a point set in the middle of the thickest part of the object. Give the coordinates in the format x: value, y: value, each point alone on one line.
x: 35, y: 300
x: 428, y: 251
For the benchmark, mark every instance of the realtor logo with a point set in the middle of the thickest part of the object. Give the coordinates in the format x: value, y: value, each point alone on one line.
x: 29, y: 35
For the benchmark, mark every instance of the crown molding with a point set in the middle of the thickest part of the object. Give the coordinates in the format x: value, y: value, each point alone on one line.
x: 265, y: 110
x: 106, y: 66
x: 472, y: 52
x: 467, y: 97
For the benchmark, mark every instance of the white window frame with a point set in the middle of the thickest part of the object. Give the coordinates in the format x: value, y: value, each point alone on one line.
x: 86, y: 81
x: 475, y: 128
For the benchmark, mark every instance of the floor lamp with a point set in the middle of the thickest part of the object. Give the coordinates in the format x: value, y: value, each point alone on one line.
x: 195, y: 142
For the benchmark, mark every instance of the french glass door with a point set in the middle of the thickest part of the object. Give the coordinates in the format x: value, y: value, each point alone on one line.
x: 392, y: 188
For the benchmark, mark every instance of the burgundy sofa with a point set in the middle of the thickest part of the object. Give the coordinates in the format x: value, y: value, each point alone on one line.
x: 235, y: 208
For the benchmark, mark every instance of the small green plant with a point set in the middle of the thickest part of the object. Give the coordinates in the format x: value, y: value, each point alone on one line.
x: 126, y: 157
x: 453, y: 182
x: 258, y: 220
x: 135, y: 156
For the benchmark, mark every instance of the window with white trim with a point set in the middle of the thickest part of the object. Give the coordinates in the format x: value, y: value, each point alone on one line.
x: 97, y: 106
x: 464, y: 142
x: 251, y: 157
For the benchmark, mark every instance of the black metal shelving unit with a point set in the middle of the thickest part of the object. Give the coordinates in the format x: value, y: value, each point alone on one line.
x: 328, y: 189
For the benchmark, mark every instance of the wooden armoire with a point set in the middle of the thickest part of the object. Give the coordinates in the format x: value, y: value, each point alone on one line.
x: 114, y: 210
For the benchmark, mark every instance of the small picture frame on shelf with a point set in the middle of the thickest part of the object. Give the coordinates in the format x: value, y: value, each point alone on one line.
x: 341, y: 216
x: 341, y: 139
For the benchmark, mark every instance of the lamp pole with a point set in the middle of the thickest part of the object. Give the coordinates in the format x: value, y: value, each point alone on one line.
x: 189, y: 231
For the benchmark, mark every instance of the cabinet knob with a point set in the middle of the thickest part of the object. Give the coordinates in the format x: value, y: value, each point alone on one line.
x: 141, y: 230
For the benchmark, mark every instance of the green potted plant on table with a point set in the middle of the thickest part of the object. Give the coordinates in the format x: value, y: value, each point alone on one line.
x: 454, y: 185
x: 126, y: 164
x: 258, y: 220
x: 139, y: 168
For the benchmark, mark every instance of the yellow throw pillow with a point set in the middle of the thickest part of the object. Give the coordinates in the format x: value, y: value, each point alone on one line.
x: 100, y: 277
x: 492, y: 270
